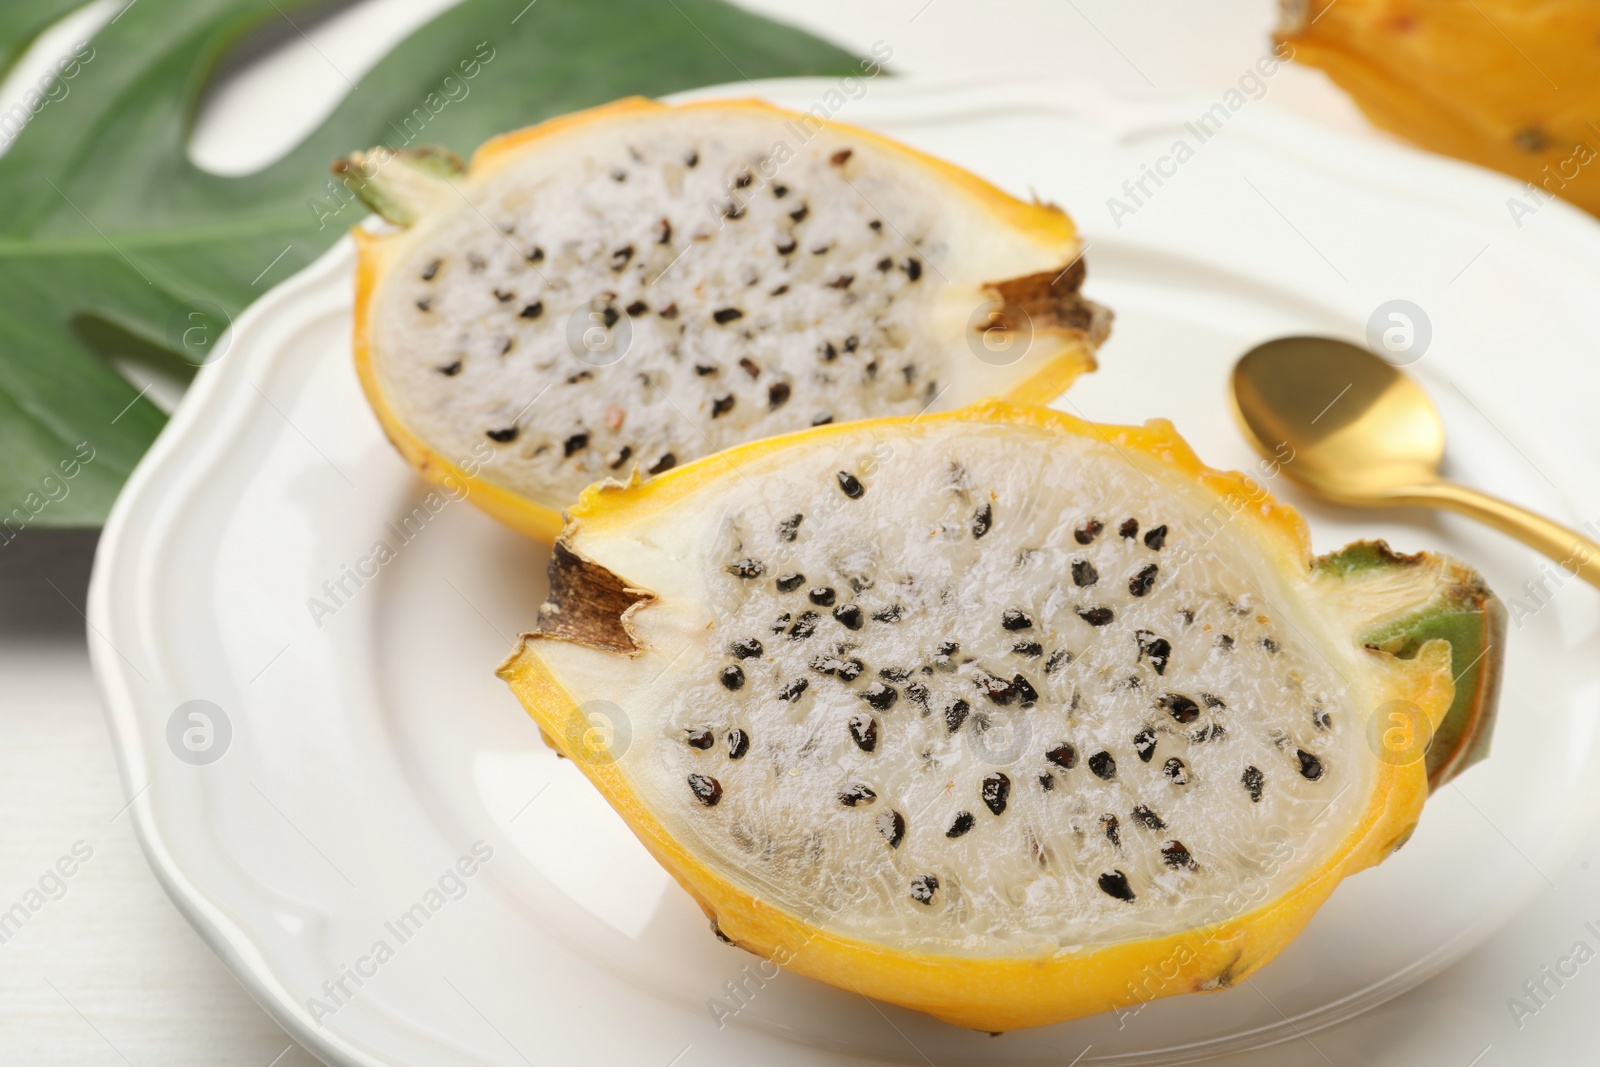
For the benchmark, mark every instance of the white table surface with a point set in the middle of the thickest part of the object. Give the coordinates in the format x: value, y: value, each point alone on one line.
x: 110, y: 973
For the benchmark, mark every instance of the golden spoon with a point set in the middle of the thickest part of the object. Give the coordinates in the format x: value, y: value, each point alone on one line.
x: 1348, y: 425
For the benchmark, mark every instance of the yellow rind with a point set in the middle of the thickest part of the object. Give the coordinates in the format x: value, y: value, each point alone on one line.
x: 1047, y: 225
x: 1009, y: 993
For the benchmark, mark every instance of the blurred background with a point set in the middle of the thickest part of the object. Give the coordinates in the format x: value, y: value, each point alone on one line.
x: 109, y: 972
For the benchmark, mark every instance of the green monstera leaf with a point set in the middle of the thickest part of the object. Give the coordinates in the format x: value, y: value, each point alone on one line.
x: 113, y: 243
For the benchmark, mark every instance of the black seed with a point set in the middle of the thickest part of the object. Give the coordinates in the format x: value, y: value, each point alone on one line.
x: 804, y: 626
x: 721, y: 405
x: 744, y: 648
x: 1211, y: 701
x: 782, y: 621
x: 1156, y: 649
x: 746, y: 568
x: 955, y: 715
x: 1174, y: 769
x: 960, y: 824
x: 923, y: 887
x: 574, y: 443
x: 732, y: 677
x: 663, y: 231
x: 609, y: 316
x: 982, y: 519
x: 1013, y: 619
x: 1253, y: 781
x: 1129, y: 528
x: 620, y: 257
x: 942, y: 654
x: 1144, y: 743
x: 841, y: 157
x: 786, y: 246
x: 1141, y: 582
x: 998, y: 690
x: 1047, y: 782
x: 996, y: 791
x: 857, y: 794
x: 778, y: 395
x: 1155, y: 537
x: 850, y: 485
x: 669, y: 312
x: 892, y: 825
x: 534, y: 255
x: 450, y: 370
x: 1109, y: 824
x: 1225, y: 642
x: 851, y: 669
x: 1096, y: 616
x: 618, y: 174
x: 799, y: 214
x: 842, y: 281
x: 788, y: 583
x: 702, y: 738
x: 913, y: 268
x: 1083, y: 573
x: 864, y: 729
x: 1310, y: 766
x: 742, y: 180
x: 1029, y: 695
x: 822, y: 418
x: 1179, y: 707
x: 792, y: 691
x: 430, y: 271
x: 503, y: 436
x: 848, y: 616
x: 738, y: 744
x: 723, y: 316
x: 1115, y: 884
x: 885, y: 265
x: 1031, y: 649
x: 706, y: 369
x: 1104, y: 765
x: 638, y: 307
x: 749, y: 366
x: 1063, y: 756
x: 822, y: 596
x: 888, y: 614
x: 1174, y: 854
x: 706, y: 789
x: 780, y: 290
x: 787, y: 528
x: 880, y: 696
x: 1269, y: 644
x: 692, y: 159
x: 622, y: 456
x: 1209, y: 732
x: 664, y: 464
x: 503, y: 296
x: 1057, y: 658
x: 780, y: 191
x: 1147, y: 818
x: 1088, y: 531
x: 894, y: 674
x: 425, y: 303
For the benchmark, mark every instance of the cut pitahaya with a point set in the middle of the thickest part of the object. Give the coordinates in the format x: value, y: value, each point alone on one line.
x: 640, y: 285
x: 998, y: 714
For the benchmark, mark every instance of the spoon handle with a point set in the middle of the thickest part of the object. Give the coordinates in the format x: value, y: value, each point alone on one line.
x: 1572, y: 551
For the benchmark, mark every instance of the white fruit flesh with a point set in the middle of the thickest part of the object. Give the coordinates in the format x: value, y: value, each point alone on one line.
x: 1285, y: 718
x: 648, y: 289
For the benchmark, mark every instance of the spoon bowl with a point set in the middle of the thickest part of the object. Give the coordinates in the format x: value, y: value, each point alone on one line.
x: 1340, y: 419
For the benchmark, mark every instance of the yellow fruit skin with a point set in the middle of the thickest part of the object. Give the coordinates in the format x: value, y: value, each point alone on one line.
x: 1508, y: 84
x: 1047, y: 225
x: 986, y: 993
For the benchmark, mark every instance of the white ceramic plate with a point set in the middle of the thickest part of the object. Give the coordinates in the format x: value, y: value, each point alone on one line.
x: 372, y: 747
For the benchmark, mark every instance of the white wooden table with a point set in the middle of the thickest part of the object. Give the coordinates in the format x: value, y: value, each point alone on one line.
x: 105, y: 971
